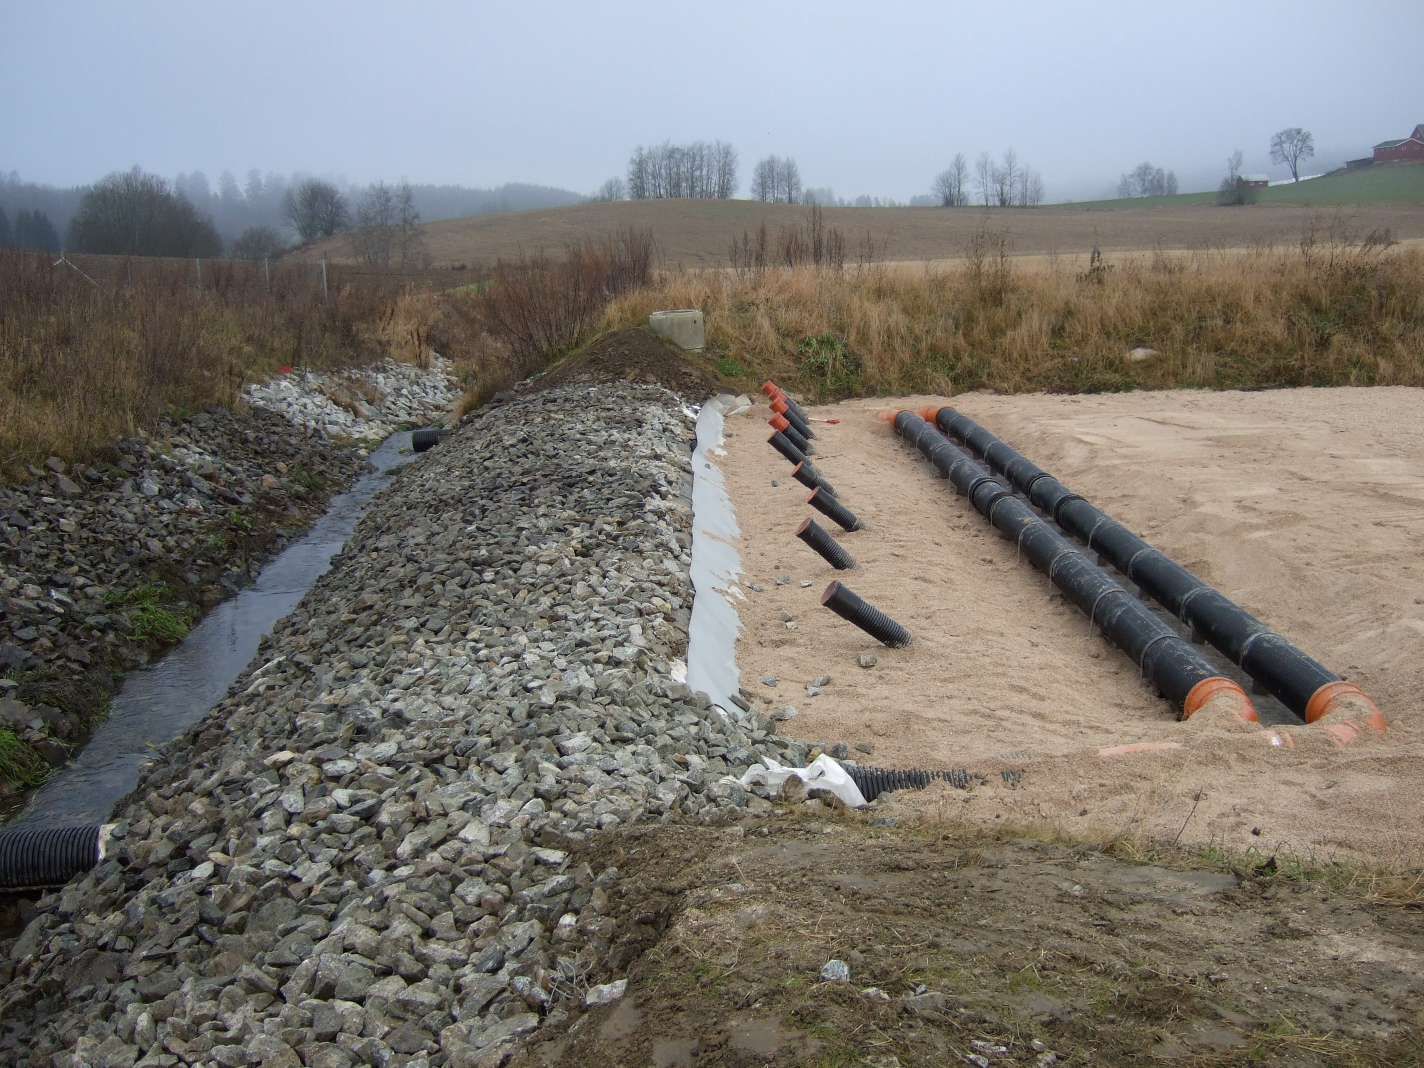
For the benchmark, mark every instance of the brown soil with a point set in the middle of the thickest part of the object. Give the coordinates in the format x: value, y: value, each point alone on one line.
x: 1031, y: 946
x: 631, y: 356
x: 698, y: 233
x: 1305, y: 506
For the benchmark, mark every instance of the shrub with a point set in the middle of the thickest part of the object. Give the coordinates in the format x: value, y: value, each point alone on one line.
x: 137, y: 214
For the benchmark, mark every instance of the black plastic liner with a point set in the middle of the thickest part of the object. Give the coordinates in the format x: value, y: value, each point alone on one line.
x: 872, y: 782
x: 32, y: 860
x: 814, y: 535
x: 782, y: 444
x: 854, y: 609
x: 833, y: 509
x: 1277, y: 666
x: 1159, y: 652
x: 809, y: 477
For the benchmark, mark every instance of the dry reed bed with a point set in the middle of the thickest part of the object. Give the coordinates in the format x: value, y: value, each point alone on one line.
x: 1323, y: 315
x: 95, y: 351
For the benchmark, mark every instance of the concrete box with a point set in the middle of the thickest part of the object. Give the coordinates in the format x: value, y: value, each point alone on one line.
x: 683, y: 327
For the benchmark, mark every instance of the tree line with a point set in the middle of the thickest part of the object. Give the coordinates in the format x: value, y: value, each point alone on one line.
x: 706, y: 169
x: 1005, y: 183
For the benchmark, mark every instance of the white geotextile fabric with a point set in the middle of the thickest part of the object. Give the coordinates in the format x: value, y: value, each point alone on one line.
x: 823, y: 773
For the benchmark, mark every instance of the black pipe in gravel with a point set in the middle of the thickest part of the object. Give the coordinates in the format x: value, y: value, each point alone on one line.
x: 426, y: 439
x: 1180, y: 674
x: 782, y: 444
x: 48, y: 857
x: 872, y: 782
x: 814, y: 535
x: 833, y: 509
x: 1302, y: 684
x: 854, y: 609
x: 808, y: 476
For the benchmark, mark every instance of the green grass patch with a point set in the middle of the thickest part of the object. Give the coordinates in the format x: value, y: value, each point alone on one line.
x: 19, y: 763
x: 730, y: 368
x: 154, y: 623
x: 1399, y: 183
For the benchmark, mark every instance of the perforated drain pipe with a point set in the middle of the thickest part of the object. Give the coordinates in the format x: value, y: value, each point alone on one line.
x: 50, y: 856
x: 1302, y: 684
x: 809, y: 477
x: 830, y: 550
x: 782, y: 444
x: 781, y: 423
x: 775, y: 392
x: 780, y: 407
x: 1179, y: 672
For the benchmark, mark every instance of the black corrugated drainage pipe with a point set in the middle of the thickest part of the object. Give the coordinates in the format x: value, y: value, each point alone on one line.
x: 854, y: 609
x: 833, y: 509
x: 808, y: 476
x: 1305, y: 686
x: 782, y: 444
x: 830, y: 550
x: 49, y: 857
x: 873, y: 782
x: 780, y: 422
x: 775, y: 392
x: 1179, y: 672
x: 426, y: 439
x: 800, y: 422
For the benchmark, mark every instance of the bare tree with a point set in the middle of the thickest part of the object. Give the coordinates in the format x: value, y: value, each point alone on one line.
x: 315, y: 208
x: 1290, y: 146
x: 699, y: 169
x: 764, y: 176
x: 788, y: 181
x: 374, y: 236
x: 984, y: 178
x: 1233, y: 189
x: 951, y: 185
x: 409, y: 237
x: 611, y: 190
x: 257, y: 243
x: 1145, y: 180
x: 1028, y: 192
x: 131, y: 213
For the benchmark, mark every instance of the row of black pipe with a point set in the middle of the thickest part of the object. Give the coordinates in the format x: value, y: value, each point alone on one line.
x: 1180, y: 674
x: 1302, y: 684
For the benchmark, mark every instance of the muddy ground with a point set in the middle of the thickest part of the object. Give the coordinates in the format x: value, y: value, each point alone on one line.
x: 964, y: 944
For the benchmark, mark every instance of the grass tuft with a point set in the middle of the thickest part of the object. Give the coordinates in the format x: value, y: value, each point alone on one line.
x: 19, y: 763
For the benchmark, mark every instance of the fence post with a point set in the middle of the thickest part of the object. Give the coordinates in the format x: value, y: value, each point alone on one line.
x: 325, y: 296
x: 198, y: 267
x: 267, y: 274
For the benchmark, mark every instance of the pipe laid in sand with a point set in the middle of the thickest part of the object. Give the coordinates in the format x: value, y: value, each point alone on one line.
x: 1305, y: 686
x: 1179, y: 672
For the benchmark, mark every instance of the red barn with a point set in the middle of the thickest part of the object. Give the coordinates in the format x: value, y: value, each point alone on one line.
x: 1406, y: 150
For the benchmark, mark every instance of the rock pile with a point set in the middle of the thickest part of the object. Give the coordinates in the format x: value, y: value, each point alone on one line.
x: 369, y: 853
x: 177, y: 519
x: 363, y: 403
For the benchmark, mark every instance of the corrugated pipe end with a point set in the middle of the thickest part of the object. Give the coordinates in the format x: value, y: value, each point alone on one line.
x: 1223, y: 695
x: 1345, y: 697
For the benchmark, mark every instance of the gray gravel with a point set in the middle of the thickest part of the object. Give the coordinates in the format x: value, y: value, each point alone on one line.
x: 369, y: 853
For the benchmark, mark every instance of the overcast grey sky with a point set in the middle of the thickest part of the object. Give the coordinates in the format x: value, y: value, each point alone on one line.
x: 868, y: 97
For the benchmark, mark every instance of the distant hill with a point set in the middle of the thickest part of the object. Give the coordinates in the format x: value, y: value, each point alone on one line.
x: 1391, y: 183
x: 699, y: 233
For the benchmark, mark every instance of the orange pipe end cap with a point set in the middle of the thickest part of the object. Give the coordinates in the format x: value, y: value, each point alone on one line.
x: 770, y: 388
x: 779, y: 422
x: 929, y: 414
x: 1210, y: 689
x: 890, y: 414
x: 1345, y: 697
x: 778, y: 405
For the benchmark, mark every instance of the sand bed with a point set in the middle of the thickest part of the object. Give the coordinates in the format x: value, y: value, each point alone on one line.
x: 1305, y: 506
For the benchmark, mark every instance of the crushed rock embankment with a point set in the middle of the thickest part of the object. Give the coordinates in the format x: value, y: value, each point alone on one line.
x: 368, y: 854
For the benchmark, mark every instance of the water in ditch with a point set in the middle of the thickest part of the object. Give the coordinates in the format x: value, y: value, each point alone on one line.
x: 157, y: 703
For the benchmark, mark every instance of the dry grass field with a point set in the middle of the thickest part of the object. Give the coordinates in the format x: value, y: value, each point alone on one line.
x: 699, y: 233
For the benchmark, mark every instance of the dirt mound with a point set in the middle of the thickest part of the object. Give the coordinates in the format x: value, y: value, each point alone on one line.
x: 966, y: 948
x: 632, y: 356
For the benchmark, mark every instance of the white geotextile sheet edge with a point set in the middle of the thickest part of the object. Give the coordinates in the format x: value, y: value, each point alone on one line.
x: 823, y: 773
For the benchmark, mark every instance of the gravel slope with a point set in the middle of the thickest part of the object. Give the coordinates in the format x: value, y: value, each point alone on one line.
x: 360, y: 857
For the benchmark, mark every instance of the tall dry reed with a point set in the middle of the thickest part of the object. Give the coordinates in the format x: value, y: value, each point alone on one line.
x: 1330, y: 313
x: 91, y: 351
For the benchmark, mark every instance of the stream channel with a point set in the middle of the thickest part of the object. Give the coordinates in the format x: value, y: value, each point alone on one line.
x: 155, y: 704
